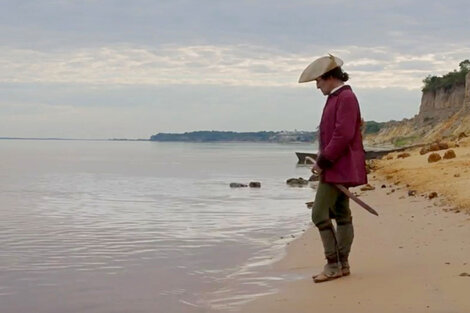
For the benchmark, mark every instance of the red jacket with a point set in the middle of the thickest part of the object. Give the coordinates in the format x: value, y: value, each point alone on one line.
x: 342, y: 156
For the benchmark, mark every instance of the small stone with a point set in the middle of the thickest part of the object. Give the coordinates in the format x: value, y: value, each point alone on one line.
x: 403, y: 155
x: 383, y: 186
x: 464, y: 274
x: 310, y: 204
x: 412, y: 193
x: 367, y: 187
x: 457, y: 175
x: 432, y: 195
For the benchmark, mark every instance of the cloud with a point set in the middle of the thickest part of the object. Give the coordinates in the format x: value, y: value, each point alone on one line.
x: 79, y: 68
x: 234, y: 65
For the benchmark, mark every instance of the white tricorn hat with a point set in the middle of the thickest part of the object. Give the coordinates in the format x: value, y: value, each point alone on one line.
x: 319, y: 67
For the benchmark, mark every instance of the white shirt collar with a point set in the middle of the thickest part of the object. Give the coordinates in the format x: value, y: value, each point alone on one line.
x: 337, y: 88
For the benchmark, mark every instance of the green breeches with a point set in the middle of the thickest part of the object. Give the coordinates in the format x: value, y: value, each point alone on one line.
x: 331, y: 203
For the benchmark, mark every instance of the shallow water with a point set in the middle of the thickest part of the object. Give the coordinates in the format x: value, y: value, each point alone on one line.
x: 89, y: 226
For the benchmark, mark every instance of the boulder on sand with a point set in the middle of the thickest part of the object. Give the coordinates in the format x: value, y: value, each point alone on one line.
x: 450, y: 154
x: 434, y: 157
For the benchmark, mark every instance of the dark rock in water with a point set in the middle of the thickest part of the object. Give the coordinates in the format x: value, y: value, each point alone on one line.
x: 255, y: 184
x: 237, y: 185
x: 297, y: 182
x: 314, y: 178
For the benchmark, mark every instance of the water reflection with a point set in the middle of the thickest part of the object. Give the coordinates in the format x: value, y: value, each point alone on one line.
x: 79, y: 217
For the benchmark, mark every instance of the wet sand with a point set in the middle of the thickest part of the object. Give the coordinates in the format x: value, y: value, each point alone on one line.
x: 414, y: 257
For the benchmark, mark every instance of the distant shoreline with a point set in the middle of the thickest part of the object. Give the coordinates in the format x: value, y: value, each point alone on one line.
x: 148, y: 140
x: 69, y: 139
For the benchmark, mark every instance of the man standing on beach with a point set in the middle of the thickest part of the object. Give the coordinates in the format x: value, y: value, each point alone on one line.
x: 341, y: 160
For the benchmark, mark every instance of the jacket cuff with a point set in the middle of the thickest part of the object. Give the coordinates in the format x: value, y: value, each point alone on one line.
x: 323, y: 162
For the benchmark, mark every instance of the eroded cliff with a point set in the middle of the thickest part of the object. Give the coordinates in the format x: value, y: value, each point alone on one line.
x: 443, y: 113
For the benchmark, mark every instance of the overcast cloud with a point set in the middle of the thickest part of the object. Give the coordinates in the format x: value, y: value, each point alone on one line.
x: 105, y: 69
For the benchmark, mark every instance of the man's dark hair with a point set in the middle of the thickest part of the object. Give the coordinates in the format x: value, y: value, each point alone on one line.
x: 338, y: 73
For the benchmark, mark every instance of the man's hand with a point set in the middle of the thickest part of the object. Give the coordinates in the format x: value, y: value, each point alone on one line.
x: 316, y: 169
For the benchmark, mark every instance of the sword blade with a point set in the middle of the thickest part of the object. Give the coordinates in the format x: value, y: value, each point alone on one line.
x: 356, y: 199
x: 351, y: 195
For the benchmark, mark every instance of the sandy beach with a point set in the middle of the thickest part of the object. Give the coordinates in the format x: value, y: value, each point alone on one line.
x: 414, y: 257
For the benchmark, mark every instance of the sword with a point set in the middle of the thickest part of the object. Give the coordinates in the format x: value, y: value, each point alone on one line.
x: 350, y: 195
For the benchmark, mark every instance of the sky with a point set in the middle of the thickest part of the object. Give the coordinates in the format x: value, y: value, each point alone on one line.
x: 130, y: 69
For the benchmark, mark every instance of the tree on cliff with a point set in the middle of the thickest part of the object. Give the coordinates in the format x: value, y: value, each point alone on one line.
x: 464, y: 66
x: 449, y: 80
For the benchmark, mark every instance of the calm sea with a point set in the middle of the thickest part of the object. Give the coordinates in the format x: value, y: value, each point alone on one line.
x: 102, y: 226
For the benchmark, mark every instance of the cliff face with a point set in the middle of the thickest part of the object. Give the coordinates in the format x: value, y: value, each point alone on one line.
x: 441, y: 104
x: 442, y: 113
x: 467, y: 92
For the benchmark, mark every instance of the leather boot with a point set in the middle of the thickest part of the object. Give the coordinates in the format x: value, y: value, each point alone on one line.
x: 332, y: 269
x: 345, y: 236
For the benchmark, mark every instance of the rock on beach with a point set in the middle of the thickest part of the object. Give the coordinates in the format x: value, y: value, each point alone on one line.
x: 434, y: 157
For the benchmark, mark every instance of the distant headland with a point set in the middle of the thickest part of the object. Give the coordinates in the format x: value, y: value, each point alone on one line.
x: 371, y: 127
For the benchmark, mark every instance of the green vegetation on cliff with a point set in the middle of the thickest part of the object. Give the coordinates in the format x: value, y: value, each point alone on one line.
x: 449, y: 80
x: 373, y: 127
